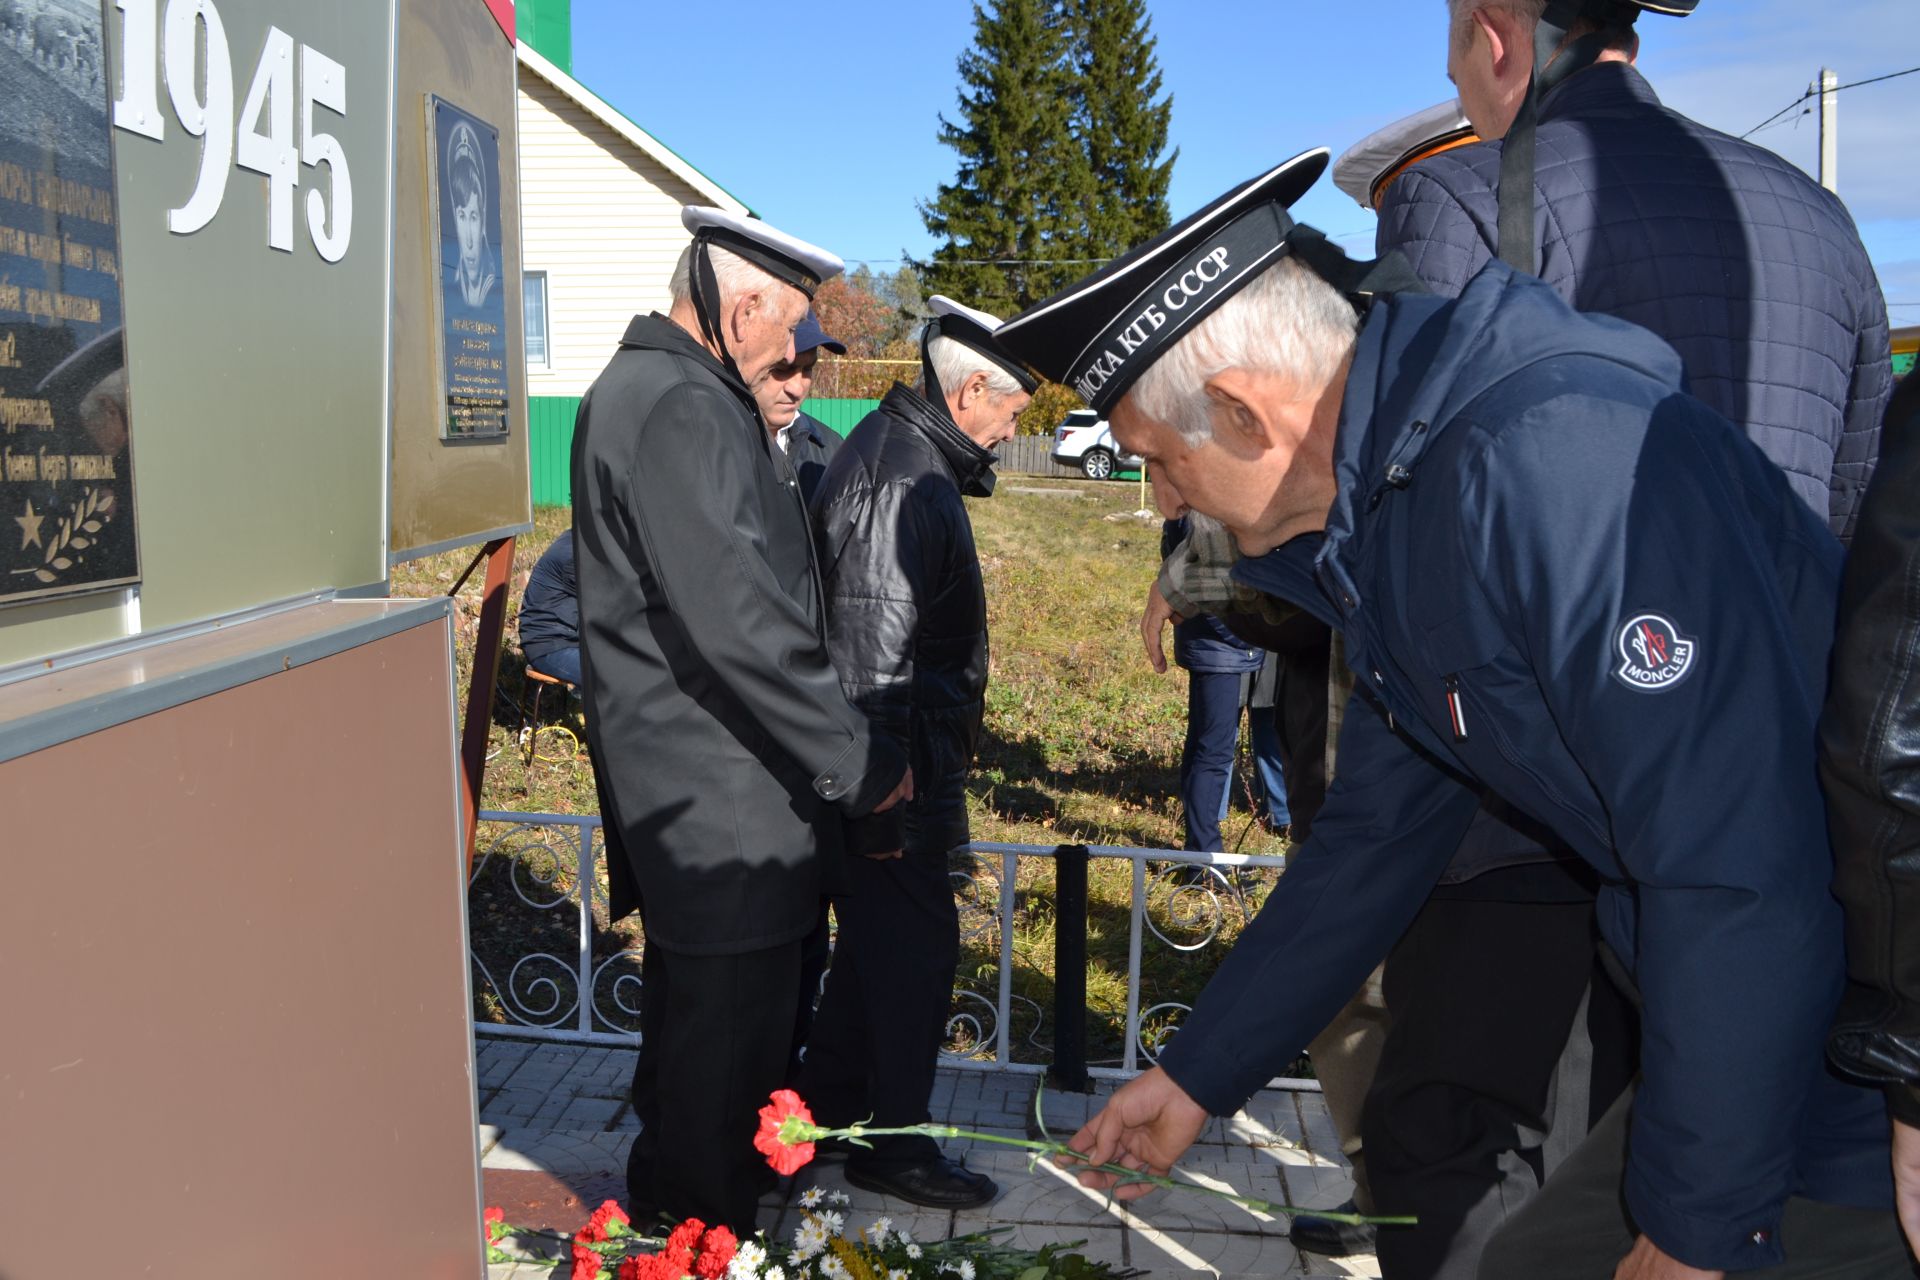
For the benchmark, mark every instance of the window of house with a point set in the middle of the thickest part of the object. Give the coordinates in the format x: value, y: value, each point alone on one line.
x: 535, y: 294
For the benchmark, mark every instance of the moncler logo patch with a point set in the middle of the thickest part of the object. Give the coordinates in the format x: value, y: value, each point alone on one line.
x: 1653, y: 654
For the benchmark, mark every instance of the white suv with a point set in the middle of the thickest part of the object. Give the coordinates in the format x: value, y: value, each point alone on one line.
x: 1084, y: 441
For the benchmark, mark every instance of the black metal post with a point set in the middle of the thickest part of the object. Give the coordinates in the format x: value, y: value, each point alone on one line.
x: 1069, y: 1069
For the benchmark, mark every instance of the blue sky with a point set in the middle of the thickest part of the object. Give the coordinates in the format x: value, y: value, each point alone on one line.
x: 826, y: 126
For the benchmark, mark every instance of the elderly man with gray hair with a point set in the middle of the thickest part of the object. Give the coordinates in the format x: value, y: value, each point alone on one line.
x: 907, y: 626
x: 1562, y: 580
x: 725, y: 754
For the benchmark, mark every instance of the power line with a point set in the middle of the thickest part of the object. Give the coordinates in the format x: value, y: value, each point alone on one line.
x: 1815, y: 93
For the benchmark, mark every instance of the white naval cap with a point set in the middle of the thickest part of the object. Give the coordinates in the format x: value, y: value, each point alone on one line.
x: 973, y: 329
x: 790, y: 258
x: 1369, y: 166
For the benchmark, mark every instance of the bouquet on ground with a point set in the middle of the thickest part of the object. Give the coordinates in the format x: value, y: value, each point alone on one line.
x: 820, y: 1248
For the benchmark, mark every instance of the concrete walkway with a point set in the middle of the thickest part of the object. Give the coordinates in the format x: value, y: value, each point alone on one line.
x: 555, y: 1125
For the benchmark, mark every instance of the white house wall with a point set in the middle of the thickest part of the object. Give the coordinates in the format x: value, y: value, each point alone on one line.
x: 602, y: 219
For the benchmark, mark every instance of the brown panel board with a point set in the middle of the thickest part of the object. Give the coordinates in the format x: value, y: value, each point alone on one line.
x: 450, y: 493
x: 239, y: 1000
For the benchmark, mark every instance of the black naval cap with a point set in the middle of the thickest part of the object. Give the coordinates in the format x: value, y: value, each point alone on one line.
x: 1100, y: 335
x: 975, y: 330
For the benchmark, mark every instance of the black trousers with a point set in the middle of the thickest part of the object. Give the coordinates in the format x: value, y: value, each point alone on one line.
x: 816, y: 949
x: 877, y: 1036
x: 1577, y: 1227
x: 715, y: 1035
x: 1481, y: 996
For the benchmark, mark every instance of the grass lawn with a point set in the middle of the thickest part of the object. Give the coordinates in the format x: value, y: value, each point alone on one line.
x: 1082, y: 745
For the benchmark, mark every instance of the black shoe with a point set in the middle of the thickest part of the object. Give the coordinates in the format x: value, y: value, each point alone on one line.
x: 1311, y: 1233
x: 940, y: 1183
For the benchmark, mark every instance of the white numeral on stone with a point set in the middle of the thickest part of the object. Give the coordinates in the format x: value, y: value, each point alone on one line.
x: 272, y: 153
x: 325, y: 85
x: 263, y: 142
x: 209, y: 118
x: 138, y: 106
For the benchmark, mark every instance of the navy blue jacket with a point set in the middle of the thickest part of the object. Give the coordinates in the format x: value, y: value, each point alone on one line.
x: 550, y: 608
x: 1564, y: 581
x: 1748, y: 267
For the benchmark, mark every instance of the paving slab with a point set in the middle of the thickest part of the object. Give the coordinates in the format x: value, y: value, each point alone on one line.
x: 556, y: 1123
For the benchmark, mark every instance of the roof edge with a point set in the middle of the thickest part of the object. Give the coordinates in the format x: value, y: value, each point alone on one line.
x: 608, y: 115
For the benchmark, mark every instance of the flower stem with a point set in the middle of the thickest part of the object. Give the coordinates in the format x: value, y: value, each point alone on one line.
x: 1124, y: 1176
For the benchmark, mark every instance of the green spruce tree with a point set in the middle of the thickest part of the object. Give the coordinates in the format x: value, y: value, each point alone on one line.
x: 1014, y: 218
x: 1121, y: 118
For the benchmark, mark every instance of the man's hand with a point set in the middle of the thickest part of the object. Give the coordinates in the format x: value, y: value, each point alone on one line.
x: 1906, y: 1179
x: 1153, y: 623
x: 902, y: 791
x: 1649, y: 1261
x: 1147, y: 1124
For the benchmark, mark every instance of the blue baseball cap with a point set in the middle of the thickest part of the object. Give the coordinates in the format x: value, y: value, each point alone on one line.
x: 810, y: 335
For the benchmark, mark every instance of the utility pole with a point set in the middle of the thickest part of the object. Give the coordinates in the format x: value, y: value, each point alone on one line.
x: 1829, y: 130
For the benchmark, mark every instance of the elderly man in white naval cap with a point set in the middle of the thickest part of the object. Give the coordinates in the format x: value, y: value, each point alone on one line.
x: 725, y: 754
x: 907, y: 625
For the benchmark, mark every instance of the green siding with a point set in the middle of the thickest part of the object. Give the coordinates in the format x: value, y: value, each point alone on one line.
x: 547, y: 25
x: 550, y: 439
x: 550, y: 448
x: 841, y: 415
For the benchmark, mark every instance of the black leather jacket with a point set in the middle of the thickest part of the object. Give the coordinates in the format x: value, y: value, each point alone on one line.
x: 906, y: 610
x: 1870, y: 763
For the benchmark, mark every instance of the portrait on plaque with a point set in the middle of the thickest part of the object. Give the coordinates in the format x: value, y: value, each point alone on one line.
x: 66, y: 475
x: 473, y: 298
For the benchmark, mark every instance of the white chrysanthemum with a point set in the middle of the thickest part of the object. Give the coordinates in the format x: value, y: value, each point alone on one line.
x: 833, y: 1221
x: 913, y: 1251
x: 965, y: 1269
x: 775, y: 1272
x: 903, y: 1235
x: 747, y: 1261
x: 811, y: 1198
x: 809, y: 1238
x: 880, y: 1230
x: 896, y: 1274
x: 834, y: 1269
x: 839, y: 1197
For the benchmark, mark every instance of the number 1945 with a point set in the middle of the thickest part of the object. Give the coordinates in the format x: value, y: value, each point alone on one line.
x: 262, y: 141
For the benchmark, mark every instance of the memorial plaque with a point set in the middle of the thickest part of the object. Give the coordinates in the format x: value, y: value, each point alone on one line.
x: 66, y: 475
x: 473, y: 297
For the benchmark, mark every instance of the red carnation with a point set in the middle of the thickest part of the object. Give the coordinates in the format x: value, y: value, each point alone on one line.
x: 601, y: 1223
x: 586, y: 1263
x: 716, y: 1253
x: 630, y: 1270
x: 784, y: 1118
x: 495, y: 1222
x: 685, y: 1238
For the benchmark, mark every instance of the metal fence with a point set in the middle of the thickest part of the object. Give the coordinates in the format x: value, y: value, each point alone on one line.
x: 548, y: 963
